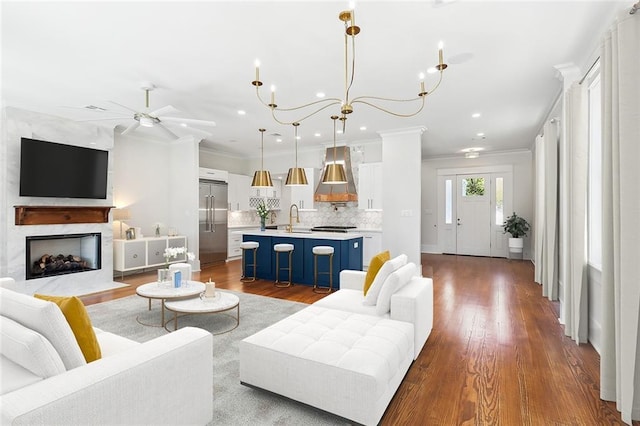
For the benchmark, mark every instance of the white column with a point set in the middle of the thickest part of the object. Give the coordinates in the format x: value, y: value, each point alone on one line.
x: 401, y: 191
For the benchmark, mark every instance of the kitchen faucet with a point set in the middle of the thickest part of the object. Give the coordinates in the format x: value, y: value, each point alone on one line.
x: 291, y: 217
x: 272, y: 217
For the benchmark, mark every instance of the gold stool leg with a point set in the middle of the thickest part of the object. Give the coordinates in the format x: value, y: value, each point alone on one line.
x: 316, y: 288
x: 278, y: 283
x: 243, y: 278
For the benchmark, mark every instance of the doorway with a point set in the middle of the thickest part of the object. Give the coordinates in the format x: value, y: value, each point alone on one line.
x: 472, y: 206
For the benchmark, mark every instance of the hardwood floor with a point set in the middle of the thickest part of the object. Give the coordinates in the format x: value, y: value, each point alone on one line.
x: 496, y: 356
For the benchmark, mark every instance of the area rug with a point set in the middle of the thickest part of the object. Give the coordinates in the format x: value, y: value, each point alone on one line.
x: 234, y: 404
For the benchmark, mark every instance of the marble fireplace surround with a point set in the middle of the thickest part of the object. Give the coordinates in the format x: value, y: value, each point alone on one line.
x: 18, y: 123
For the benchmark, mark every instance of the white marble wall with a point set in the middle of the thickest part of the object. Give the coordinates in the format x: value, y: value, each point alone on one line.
x: 19, y: 123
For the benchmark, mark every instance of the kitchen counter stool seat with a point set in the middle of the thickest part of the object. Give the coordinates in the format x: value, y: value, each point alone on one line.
x: 322, y: 251
x: 283, y: 248
x: 249, y: 245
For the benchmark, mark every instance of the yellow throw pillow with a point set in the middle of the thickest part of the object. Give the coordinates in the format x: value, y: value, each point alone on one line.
x: 78, y: 319
x: 374, y: 266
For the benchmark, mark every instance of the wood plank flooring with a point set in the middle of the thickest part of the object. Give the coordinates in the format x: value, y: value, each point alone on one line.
x: 496, y: 356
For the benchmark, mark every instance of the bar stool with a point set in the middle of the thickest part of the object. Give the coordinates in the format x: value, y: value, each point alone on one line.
x: 322, y: 251
x: 282, y: 248
x: 249, y: 245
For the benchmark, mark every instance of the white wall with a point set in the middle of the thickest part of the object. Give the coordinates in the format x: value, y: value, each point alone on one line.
x: 214, y: 160
x: 157, y: 181
x: 522, y: 191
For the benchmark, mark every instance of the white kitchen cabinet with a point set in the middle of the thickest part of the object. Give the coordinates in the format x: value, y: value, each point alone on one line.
x: 233, y: 246
x: 371, y: 245
x: 238, y: 192
x: 130, y: 255
x: 302, y: 195
x: 370, y: 186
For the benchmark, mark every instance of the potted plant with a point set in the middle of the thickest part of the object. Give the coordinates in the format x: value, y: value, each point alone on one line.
x: 518, y: 227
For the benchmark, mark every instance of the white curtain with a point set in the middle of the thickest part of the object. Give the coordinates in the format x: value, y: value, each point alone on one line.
x: 575, y: 287
x: 538, y: 224
x: 620, y: 357
x: 550, y: 239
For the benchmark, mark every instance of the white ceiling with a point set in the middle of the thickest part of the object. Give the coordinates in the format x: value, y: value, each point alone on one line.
x: 58, y: 57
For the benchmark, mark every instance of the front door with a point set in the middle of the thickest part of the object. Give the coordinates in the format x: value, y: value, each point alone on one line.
x: 473, y: 214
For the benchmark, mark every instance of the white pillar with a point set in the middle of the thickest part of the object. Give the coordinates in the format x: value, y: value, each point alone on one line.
x: 401, y: 191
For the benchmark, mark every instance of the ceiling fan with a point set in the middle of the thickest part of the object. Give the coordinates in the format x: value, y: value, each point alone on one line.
x: 157, y: 118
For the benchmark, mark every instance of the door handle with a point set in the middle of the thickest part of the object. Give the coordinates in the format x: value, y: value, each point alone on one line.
x: 213, y: 213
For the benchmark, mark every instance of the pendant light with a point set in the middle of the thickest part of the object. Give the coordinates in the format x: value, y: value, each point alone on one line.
x: 262, y: 177
x: 296, y: 175
x: 334, y: 173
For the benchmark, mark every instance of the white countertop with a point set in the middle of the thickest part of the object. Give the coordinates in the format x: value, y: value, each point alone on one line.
x: 338, y: 236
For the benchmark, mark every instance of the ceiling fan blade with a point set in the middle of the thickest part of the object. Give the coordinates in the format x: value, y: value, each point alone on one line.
x: 167, y: 131
x: 169, y: 109
x: 131, y: 128
x: 103, y: 119
x: 123, y: 106
x: 189, y: 121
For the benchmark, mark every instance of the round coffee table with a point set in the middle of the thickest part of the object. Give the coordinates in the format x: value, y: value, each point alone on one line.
x: 166, y: 291
x: 223, y: 302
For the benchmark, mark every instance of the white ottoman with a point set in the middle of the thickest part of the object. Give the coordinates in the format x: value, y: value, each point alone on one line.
x: 347, y: 364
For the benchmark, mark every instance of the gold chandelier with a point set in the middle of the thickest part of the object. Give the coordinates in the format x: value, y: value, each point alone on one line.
x: 346, y: 103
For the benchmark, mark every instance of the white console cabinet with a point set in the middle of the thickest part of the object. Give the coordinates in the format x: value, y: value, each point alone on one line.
x: 129, y: 255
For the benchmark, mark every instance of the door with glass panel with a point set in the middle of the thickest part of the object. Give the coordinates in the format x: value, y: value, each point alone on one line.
x: 473, y: 235
x: 471, y: 210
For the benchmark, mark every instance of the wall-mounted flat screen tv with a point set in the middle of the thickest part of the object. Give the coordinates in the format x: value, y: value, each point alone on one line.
x: 49, y: 169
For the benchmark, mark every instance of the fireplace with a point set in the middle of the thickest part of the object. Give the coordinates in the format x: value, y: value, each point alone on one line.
x: 49, y: 255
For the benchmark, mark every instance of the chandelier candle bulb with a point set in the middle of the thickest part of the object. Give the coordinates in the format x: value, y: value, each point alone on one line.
x: 440, y: 55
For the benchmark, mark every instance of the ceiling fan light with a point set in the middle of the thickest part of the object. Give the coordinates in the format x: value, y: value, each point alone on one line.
x: 334, y: 174
x: 262, y: 179
x: 146, y: 122
x: 296, y: 176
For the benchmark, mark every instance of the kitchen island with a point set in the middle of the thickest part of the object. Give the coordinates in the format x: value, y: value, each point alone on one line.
x: 347, y: 254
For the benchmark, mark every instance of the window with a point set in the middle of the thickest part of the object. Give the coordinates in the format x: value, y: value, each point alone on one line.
x: 473, y: 187
x: 594, y: 207
x: 499, y: 201
x: 448, y: 201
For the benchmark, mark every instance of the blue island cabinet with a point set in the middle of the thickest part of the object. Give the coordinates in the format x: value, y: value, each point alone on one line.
x: 347, y: 255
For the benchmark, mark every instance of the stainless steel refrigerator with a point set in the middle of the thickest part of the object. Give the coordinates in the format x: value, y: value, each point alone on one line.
x: 212, y: 217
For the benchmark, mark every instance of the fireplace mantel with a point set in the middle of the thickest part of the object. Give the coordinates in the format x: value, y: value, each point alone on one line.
x: 55, y: 215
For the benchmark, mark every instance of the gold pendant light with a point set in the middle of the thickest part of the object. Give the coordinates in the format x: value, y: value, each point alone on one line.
x: 334, y: 173
x: 262, y: 177
x: 296, y: 175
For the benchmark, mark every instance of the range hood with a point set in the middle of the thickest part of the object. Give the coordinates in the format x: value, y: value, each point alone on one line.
x: 340, y: 193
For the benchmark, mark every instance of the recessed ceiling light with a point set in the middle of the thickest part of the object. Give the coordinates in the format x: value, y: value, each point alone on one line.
x: 363, y: 127
x: 320, y: 95
x: 183, y: 124
x: 298, y: 137
x: 241, y: 112
x: 432, y: 70
x: 279, y: 140
x: 480, y: 134
x: 474, y: 154
x: 317, y: 134
x: 338, y: 131
x: 476, y: 115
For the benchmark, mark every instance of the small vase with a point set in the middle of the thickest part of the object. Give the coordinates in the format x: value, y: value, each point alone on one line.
x: 263, y: 225
x: 163, y: 275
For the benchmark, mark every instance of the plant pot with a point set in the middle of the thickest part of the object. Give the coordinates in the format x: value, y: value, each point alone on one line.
x: 516, y: 245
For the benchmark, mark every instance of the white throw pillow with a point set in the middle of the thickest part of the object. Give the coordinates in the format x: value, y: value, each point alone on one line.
x: 389, y: 266
x: 29, y: 349
x: 394, y: 282
x: 45, y: 318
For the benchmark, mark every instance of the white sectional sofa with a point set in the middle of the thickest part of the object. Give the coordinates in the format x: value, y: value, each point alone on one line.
x: 341, y: 355
x: 45, y: 379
